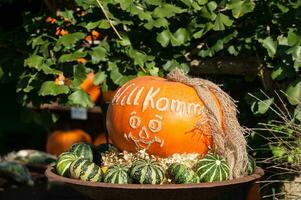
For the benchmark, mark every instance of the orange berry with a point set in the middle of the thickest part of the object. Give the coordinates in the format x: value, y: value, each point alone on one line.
x: 51, y: 20
x: 60, y: 79
x: 82, y: 60
x: 60, y: 31
x: 96, y: 35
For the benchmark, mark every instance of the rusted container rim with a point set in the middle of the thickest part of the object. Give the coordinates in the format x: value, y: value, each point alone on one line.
x: 56, y: 178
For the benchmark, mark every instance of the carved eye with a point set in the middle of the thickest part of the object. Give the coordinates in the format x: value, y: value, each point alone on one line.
x: 134, y: 121
x: 155, y: 125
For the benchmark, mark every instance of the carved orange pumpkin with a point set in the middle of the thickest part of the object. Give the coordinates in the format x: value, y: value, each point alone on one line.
x: 59, y: 141
x: 160, y: 116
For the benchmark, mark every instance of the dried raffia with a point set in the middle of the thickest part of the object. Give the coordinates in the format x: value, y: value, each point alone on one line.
x: 229, y: 141
x: 113, y: 157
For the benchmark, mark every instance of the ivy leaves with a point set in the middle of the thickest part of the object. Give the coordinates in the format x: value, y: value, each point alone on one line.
x: 157, y: 36
x: 68, y: 41
x: 52, y: 89
x: 179, y: 38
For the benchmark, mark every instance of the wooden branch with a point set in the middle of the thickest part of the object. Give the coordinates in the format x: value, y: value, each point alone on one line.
x: 225, y: 66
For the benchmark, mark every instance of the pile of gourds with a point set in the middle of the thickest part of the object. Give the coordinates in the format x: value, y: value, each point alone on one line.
x: 79, y: 163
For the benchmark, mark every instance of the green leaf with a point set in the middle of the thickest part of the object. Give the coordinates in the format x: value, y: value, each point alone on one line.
x: 278, y: 152
x: 231, y: 49
x: 69, y: 40
x: 152, y: 69
x: 212, y: 5
x: 221, y: 21
x: 161, y: 22
x: 71, y: 57
x: 261, y: 107
x: 163, y: 38
x: 202, y: 2
x: 39, y: 63
x: 167, y: 11
x: 86, y: 3
x: 25, y: 83
x: 293, y: 92
x: 48, y: 70
x: 181, y: 36
x: 125, y: 41
x: 297, y: 57
x: 154, y: 2
x: 240, y: 8
x: 187, y: 2
x: 102, y: 24
x: 98, y: 54
x: 297, y: 113
x: 79, y: 75
x: 50, y: 88
x: 99, y: 78
x: 172, y: 64
x: 293, y: 38
x: 68, y: 14
x: 198, y: 34
x: 278, y: 72
x: 80, y: 98
x: 118, y: 78
x: 139, y: 57
x: 34, y: 61
x: 270, y: 45
x: 206, y: 13
x: 1, y: 72
x: 125, y: 4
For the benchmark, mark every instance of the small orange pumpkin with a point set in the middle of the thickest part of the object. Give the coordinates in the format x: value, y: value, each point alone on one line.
x: 60, y: 141
x: 101, y: 139
x: 89, y: 87
x: 160, y: 116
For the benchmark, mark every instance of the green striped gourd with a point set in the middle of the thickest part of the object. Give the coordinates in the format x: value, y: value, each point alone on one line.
x: 146, y: 171
x: 251, y: 165
x: 212, y: 168
x: 85, y: 170
x: 118, y: 174
x: 181, y: 174
x: 63, y: 163
x: 82, y: 150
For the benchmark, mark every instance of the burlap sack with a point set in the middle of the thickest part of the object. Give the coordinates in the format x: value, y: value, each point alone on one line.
x: 229, y: 141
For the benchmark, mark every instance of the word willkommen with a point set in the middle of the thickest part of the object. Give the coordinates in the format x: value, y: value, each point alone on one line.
x: 130, y: 94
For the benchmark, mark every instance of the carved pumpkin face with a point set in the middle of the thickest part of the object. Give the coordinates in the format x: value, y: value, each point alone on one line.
x: 160, y: 116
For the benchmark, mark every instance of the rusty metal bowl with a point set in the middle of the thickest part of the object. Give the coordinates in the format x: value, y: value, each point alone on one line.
x: 244, y: 188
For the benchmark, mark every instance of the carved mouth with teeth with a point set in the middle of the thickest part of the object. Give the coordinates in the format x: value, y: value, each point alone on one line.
x: 145, y: 137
